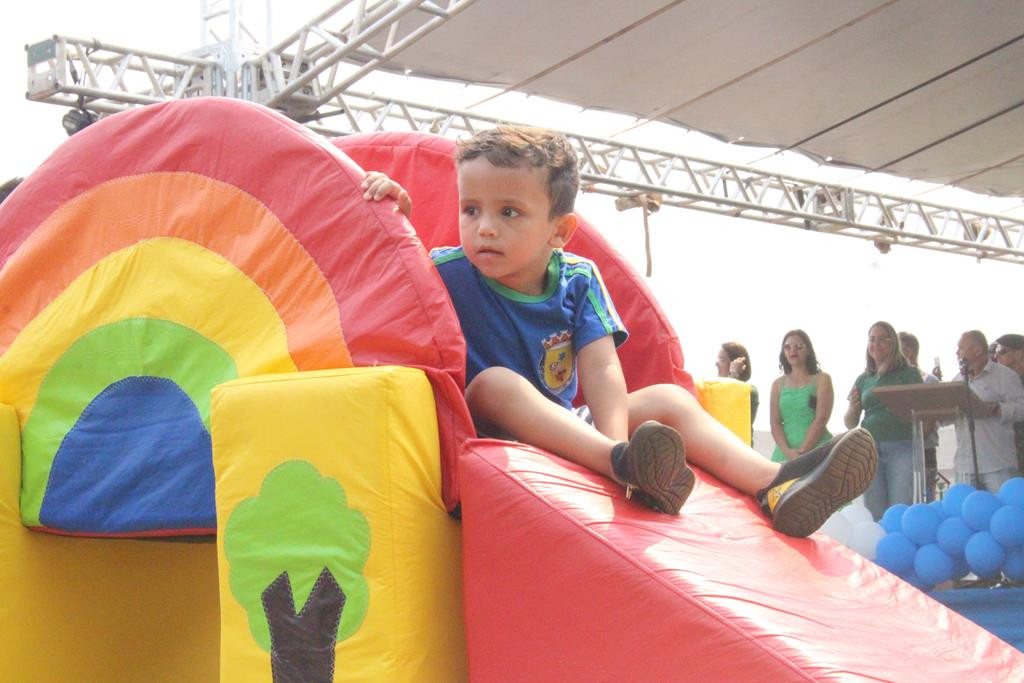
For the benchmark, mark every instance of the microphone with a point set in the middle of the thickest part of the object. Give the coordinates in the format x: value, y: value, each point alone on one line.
x: 963, y: 368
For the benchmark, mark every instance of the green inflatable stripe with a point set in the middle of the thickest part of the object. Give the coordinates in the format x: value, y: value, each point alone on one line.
x: 139, y: 347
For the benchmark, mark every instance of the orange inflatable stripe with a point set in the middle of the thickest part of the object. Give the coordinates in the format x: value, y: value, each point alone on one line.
x: 222, y: 218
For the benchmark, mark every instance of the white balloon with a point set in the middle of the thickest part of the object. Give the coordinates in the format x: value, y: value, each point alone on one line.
x: 837, y: 527
x: 857, y: 513
x: 865, y: 537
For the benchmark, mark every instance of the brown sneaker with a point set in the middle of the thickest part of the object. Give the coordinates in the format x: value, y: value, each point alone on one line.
x: 652, y: 466
x: 798, y: 507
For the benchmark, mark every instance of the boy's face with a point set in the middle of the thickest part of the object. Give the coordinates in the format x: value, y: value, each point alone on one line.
x: 504, y: 225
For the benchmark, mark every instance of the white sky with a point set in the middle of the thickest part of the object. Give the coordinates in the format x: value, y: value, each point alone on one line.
x: 718, y: 279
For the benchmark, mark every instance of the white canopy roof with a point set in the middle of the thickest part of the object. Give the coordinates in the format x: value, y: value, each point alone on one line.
x: 925, y: 89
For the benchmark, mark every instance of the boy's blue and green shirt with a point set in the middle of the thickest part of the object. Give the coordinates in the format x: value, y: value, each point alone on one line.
x: 537, y: 337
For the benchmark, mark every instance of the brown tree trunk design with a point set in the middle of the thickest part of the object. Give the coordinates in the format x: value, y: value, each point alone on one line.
x: 302, y: 644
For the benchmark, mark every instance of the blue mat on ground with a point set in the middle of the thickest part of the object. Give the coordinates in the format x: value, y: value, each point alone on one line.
x: 997, y: 610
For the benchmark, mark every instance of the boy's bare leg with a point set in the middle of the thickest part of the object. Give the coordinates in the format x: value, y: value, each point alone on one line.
x: 651, y: 465
x: 799, y: 496
x: 709, y: 444
x: 505, y: 400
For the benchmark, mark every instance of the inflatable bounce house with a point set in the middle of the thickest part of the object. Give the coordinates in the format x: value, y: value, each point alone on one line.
x: 232, y: 439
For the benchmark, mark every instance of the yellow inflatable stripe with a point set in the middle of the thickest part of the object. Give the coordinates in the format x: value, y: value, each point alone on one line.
x: 165, y: 278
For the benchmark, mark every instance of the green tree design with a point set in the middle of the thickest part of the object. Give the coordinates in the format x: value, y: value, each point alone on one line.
x: 298, y: 543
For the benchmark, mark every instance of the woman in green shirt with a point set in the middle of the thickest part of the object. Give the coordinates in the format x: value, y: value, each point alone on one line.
x: 886, y: 366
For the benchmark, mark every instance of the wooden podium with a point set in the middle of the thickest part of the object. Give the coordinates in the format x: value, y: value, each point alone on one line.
x: 921, y: 403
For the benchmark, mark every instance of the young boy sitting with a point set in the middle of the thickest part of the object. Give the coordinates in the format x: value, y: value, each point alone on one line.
x: 535, y: 318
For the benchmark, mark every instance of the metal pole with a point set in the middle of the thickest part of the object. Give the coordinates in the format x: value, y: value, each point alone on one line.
x: 647, y: 237
x: 970, y: 420
x: 921, y: 494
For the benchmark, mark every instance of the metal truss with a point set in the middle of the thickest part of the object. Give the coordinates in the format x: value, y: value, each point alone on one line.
x: 226, y: 21
x: 624, y: 170
x: 230, y: 38
x: 108, y: 78
x: 343, y: 44
x: 303, y: 72
x: 309, y: 76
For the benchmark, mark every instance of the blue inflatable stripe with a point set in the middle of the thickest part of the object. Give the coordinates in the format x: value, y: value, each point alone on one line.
x: 138, y: 459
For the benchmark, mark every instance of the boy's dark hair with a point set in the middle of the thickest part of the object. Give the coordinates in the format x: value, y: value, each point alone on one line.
x: 514, y: 146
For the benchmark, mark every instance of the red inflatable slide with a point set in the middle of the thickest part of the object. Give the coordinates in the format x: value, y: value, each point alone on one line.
x: 564, y: 579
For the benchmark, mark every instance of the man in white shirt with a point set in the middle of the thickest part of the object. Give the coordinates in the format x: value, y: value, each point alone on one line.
x: 1010, y: 352
x: 1003, y: 394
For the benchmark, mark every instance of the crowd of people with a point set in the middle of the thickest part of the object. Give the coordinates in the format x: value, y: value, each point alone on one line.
x: 989, y: 441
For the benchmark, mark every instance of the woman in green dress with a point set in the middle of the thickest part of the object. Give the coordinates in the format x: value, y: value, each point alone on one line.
x: 801, y: 401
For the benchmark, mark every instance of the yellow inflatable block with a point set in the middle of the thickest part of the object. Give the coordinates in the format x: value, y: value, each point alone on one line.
x: 337, y: 558
x: 728, y: 401
x: 84, y: 609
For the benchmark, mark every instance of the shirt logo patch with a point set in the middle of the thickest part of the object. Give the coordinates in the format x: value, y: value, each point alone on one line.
x: 557, y: 365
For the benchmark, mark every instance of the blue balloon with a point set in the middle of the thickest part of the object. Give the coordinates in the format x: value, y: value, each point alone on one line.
x: 1007, y: 525
x: 984, y: 554
x: 954, y: 498
x: 933, y: 565
x: 1013, y: 566
x: 937, y: 506
x: 920, y: 522
x: 895, y: 552
x: 952, y: 536
x: 892, y: 519
x: 978, y: 509
x: 1012, y: 492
